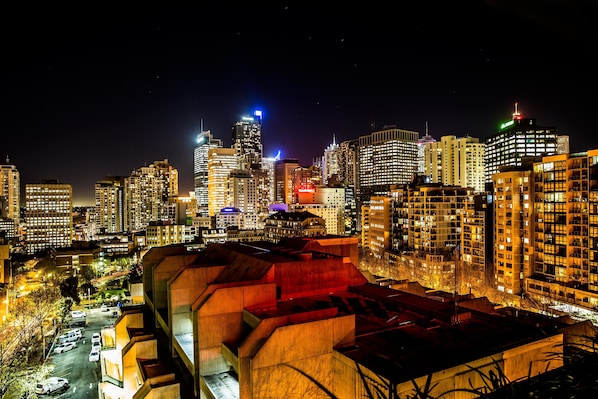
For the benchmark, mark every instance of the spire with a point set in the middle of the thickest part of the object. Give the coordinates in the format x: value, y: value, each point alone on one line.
x: 333, y: 139
x: 516, y: 114
x: 7, y: 160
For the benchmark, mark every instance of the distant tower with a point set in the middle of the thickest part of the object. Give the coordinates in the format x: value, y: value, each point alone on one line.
x: 517, y: 139
x: 10, y: 188
x: 421, y: 147
x: 330, y: 161
x: 247, y: 141
x: 49, y: 215
x: 205, y: 142
x: 283, y: 177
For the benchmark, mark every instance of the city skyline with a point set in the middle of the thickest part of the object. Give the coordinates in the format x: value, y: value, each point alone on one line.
x: 103, y: 93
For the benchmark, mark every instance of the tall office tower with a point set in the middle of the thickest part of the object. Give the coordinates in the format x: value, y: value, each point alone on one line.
x: 516, y: 139
x: 347, y: 162
x: 221, y: 162
x: 49, y: 215
x: 205, y: 142
x: 145, y: 192
x: 513, y: 220
x: 247, y: 141
x: 268, y: 190
x: 10, y: 189
x: 283, y: 180
x: 244, y: 191
x: 456, y: 162
x: 109, y: 206
x: 305, y: 179
x: 421, y: 148
x: 379, y: 234
x: 385, y: 158
x: 330, y: 161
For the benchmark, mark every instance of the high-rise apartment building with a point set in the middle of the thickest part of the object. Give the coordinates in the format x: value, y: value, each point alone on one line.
x: 247, y: 141
x: 244, y: 193
x: 10, y: 192
x: 513, y: 228
x: 146, y: 191
x: 205, y: 142
x: 109, y: 205
x: 283, y: 179
x: 385, y: 158
x: 456, y: 162
x: 49, y: 215
x: 517, y: 139
x: 221, y: 162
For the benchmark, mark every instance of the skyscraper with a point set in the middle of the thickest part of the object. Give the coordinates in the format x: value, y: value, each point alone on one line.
x: 49, y: 215
x: 205, y: 142
x: 10, y: 187
x: 247, y: 141
x: 146, y: 190
x: 283, y: 177
x: 221, y: 162
x: 385, y: 158
x: 516, y: 139
x: 421, y: 148
x: 456, y: 162
x: 109, y: 210
x: 330, y: 161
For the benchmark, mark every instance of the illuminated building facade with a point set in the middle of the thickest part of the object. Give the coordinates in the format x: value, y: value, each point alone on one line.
x: 205, y: 142
x: 517, y: 139
x: 49, y: 215
x: 347, y: 162
x: 160, y: 233
x: 330, y: 161
x: 146, y: 191
x: 305, y: 179
x: 10, y: 193
x: 283, y: 180
x: 421, y: 151
x: 379, y: 227
x: 336, y: 199
x: 384, y: 158
x: 221, y: 162
x: 456, y: 162
x: 476, y: 243
x: 109, y: 205
x: 247, y: 141
x: 246, y: 199
x: 280, y: 225
x: 513, y: 228
x: 565, y: 267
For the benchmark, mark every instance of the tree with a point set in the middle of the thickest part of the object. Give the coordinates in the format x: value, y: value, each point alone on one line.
x: 69, y: 288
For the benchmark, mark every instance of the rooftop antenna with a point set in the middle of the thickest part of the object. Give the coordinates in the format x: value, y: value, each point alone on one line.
x: 7, y: 160
x: 201, y: 125
x: 333, y: 139
x: 516, y: 114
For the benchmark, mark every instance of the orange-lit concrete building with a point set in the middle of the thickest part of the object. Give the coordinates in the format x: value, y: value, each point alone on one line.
x: 129, y: 362
x: 288, y: 319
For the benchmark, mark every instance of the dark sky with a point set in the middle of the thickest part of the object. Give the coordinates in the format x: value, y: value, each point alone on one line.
x: 92, y: 92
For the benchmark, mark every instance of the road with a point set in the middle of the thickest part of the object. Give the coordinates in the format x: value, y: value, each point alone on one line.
x: 74, y: 365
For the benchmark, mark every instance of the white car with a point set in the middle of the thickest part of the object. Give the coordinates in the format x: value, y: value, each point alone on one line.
x: 78, y: 313
x: 96, y: 346
x: 104, y: 308
x: 67, y: 346
x: 51, y: 385
x: 67, y: 338
x: 96, y: 337
x: 94, y: 355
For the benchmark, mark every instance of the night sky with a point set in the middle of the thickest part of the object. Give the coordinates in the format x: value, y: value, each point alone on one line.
x: 93, y: 92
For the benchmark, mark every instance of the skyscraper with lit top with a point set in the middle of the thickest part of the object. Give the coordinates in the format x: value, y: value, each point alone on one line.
x: 517, y: 139
x: 10, y: 187
x: 247, y: 141
x: 205, y: 142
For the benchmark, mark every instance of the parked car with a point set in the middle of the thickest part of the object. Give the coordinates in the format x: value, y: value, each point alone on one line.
x: 97, y: 345
x: 67, y: 346
x: 94, y: 355
x: 78, y: 313
x: 96, y: 337
x: 51, y: 385
x: 104, y: 308
x: 67, y: 338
